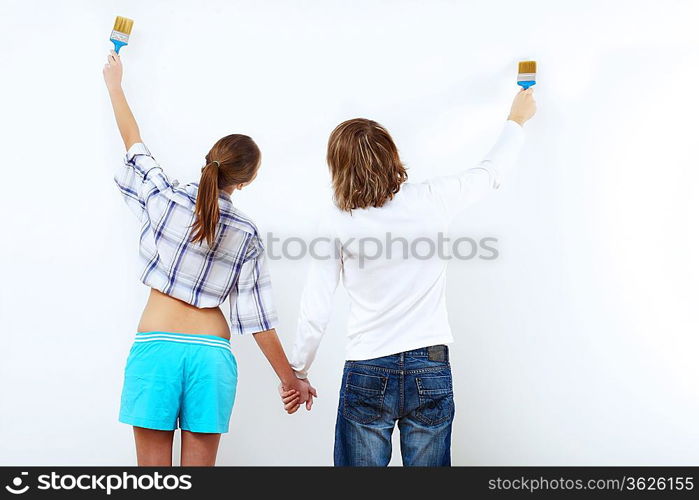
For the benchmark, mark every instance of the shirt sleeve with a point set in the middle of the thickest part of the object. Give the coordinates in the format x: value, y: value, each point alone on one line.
x: 251, y: 303
x: 455, y: 192
x: 140, y: 177
x: 316, y: 298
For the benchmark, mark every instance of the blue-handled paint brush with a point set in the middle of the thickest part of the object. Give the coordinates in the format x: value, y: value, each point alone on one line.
x: 527, y: 74
x: 120, y: 33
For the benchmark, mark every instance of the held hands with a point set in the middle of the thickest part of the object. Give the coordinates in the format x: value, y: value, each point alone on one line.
x: 523, y: 107
x: 296, y: 393
x: 113, y: 71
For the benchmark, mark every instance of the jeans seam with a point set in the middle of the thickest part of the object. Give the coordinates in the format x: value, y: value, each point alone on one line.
x: 430, y: 369
x: 394, y: 371
x: 378, y: 368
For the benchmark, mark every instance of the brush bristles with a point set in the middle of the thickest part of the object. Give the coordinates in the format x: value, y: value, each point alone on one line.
x: 527, y: 67
x: 123, y: 25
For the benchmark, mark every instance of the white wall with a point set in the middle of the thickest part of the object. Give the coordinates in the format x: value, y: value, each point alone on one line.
x: 577, y: 346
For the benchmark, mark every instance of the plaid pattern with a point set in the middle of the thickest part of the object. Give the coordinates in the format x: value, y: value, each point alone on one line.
x: 233, y: 267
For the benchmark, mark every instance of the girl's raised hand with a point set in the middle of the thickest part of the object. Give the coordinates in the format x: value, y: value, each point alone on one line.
x: 113, y: 71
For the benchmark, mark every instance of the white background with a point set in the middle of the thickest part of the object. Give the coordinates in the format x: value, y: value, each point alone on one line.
x: 577, y: 346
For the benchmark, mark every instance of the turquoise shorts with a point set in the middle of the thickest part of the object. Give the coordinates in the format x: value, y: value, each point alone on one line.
x: 179, y: 378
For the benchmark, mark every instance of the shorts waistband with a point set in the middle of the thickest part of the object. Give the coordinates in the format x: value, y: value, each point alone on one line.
x: 184, y: 338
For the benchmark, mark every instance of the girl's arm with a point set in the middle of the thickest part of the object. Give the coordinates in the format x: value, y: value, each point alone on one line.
x: 252, y: 311
x: 271, y: 347
x: 128, y: 128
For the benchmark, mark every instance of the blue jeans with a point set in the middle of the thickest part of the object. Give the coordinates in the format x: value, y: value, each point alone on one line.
x: 413, y: 388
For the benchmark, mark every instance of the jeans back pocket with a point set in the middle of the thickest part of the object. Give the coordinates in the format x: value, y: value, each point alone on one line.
x: 436, y: 399
x: 363, y: 397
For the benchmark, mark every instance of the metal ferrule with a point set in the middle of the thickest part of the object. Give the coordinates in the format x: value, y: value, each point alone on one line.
x: 524, y: 77
x: 118, y: 35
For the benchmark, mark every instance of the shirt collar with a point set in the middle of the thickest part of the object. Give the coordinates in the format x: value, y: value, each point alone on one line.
x: 231, y: 216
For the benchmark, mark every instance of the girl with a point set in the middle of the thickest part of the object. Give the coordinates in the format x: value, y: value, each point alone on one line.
x: 196, y: 250
x: 397, y: 369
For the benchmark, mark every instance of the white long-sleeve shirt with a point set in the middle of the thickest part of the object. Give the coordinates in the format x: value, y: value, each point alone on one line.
x: 394, y: 277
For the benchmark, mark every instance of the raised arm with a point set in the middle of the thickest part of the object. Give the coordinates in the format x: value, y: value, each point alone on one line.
x: 455, y: 192
x: 523, y: 106
x: 128, y: 128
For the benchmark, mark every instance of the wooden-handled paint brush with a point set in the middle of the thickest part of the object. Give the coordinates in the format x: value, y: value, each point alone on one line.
x: 120, y: 33
x: 527, y: 74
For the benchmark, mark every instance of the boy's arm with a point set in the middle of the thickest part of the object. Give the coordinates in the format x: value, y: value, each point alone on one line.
x: 128, y: 128
x: 454, y: 192
x: 317, y: 297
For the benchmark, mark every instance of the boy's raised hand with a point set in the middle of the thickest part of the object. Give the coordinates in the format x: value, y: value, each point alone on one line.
x: 523, y: 106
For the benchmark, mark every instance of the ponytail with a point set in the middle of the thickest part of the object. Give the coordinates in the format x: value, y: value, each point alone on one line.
x: 206, y: 208
x: 237, y: 160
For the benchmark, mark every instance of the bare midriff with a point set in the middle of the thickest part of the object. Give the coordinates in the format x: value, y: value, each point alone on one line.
x: 168, y: 314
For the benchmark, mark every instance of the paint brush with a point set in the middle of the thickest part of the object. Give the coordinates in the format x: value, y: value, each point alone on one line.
x: 120, y: 33
x: 526, y: 76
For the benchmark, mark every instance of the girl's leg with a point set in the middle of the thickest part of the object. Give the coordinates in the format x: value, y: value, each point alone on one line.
x: 153, y: 448
x: 199, y: 448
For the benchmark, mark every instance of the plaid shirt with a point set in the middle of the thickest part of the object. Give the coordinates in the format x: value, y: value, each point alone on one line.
x: 233, y: 267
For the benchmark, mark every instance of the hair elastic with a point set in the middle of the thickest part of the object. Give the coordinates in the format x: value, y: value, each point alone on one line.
x: 217, y: 163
